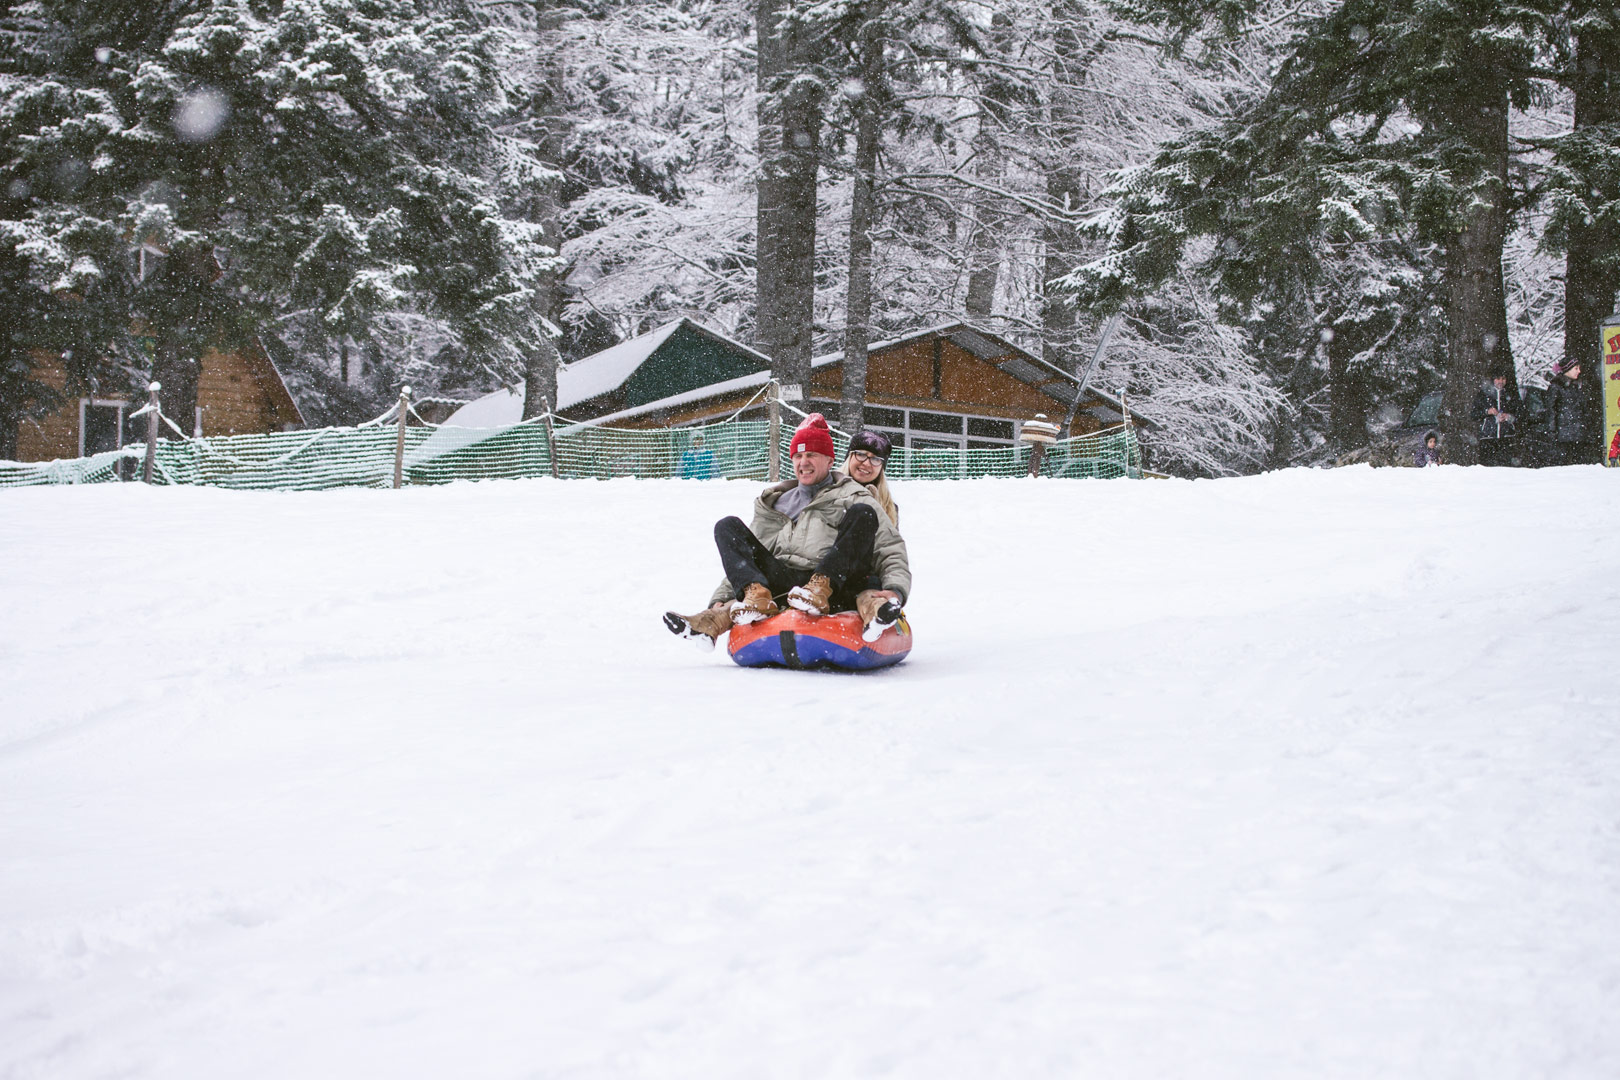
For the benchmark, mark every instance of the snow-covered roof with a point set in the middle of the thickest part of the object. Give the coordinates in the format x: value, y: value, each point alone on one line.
x: 991, y: 348
x: 595, y: 375
x: 603, y: 372
x: 592, y: 377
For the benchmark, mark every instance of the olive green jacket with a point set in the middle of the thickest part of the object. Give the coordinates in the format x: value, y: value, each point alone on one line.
x: 803, y: 540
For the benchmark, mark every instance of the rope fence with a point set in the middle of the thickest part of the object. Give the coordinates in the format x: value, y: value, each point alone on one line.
x: 423, y: 453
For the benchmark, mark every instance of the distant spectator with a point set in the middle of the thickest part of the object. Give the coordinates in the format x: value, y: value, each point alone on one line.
x: 697, y: 463
x: 1614, y: 448
x: 1494, y: 408
x: 1569, y: 423
x: 1429, y: 452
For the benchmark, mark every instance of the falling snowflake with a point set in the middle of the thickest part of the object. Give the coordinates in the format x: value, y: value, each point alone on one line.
x: 200, y: 114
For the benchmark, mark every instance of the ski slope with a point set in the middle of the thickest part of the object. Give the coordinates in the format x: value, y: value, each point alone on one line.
x: 1313, y: 774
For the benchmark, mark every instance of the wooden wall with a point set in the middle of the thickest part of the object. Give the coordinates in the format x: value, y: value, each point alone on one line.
x: 239, y: 394
x: 56, y: 435
x: 236, y: 395
x: 937, y: 374
x: 932, y: 373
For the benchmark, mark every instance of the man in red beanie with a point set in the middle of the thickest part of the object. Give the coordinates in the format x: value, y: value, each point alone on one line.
x: 817, y: 541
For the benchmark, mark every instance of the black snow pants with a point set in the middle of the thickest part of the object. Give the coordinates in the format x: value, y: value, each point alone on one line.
x: 848, y: 564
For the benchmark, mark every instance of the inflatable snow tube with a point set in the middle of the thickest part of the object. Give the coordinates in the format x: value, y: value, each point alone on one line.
x: 796, y: 640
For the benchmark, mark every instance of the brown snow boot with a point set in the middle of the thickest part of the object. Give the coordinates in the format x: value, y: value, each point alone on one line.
x: 756, y: 604
x: 814, y: 597
x: 704, y: 628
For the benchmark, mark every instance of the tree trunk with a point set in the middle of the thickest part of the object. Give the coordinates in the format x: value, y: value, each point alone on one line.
x: 1065, y: 187
x: 858, y: 302
x: 1476, y: 304
x: 985, y: 263
x: 1592, y: 262
x: 541, y: 360
x: 1348, y: 400
x: 1060, y: 328
x: 790, y: 99
x: 984, y: 247
x: 989, y: 241
x: 540, y: 378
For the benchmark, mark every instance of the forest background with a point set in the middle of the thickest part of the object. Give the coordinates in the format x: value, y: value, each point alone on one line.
x: 1306, y: 214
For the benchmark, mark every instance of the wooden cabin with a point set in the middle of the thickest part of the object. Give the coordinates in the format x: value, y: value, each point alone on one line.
x: 238, y: 393
x: 950, y: 386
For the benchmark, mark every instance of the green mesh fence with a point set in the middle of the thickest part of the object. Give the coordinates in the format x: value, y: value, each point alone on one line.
x: 365, y: 457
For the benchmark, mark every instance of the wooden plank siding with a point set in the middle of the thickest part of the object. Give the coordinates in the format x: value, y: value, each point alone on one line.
x: 938, y: 374
x: 55, y: 435
x: 931, y: 373
x: 240, y: 393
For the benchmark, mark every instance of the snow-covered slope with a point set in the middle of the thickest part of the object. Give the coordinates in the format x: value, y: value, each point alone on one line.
x: 1308, y: 775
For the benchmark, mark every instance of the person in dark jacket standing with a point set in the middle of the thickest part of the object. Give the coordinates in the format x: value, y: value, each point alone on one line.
x: 1429, y: 452
x: 1494, y: 409
x: 1569, y: 424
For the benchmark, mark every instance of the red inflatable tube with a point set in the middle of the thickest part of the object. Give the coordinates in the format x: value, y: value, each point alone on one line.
x: 796, y: 640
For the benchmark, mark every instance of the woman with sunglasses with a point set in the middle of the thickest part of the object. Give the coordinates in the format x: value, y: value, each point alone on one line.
x: 868, y: 455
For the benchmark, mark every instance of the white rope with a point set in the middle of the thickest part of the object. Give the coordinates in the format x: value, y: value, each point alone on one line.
x: 173, y: 426
x: 805, y: 415
x: 425, y: 422
x: 383, y: 419
x: 745, y: 406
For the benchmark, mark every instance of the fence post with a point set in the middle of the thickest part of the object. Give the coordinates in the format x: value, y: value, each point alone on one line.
x: 1125, y: 412
x: 551, y: 440
x: 399, y: 442
x: 773, y: 393
x: 151, y: 431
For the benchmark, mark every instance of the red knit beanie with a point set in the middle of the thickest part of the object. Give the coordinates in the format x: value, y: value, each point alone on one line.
x: 813, y: 435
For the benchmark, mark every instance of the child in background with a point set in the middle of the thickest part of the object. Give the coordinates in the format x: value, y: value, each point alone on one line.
x: 1429, y: 452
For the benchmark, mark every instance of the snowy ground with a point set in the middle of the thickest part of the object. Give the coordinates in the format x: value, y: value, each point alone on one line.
x: 1315, y: 774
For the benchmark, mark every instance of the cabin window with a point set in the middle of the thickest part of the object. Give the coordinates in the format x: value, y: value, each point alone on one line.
x: 923, y: 429
x: 889, y: 418
x: 941, y: 422
x: 101, y: 426
x: 920, y: 443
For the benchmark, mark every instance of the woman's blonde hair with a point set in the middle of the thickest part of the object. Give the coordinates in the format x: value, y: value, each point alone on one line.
x: 880, y: 490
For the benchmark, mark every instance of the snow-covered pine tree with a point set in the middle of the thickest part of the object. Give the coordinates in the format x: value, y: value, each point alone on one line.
x: 1584, y: 182
x: 1388, y: 120
x: 306, y: 170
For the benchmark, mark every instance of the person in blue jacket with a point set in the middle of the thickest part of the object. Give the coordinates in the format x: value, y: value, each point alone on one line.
x: 697, y: 463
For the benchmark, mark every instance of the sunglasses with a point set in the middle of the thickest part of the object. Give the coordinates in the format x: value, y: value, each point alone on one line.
x: 864, y: 457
